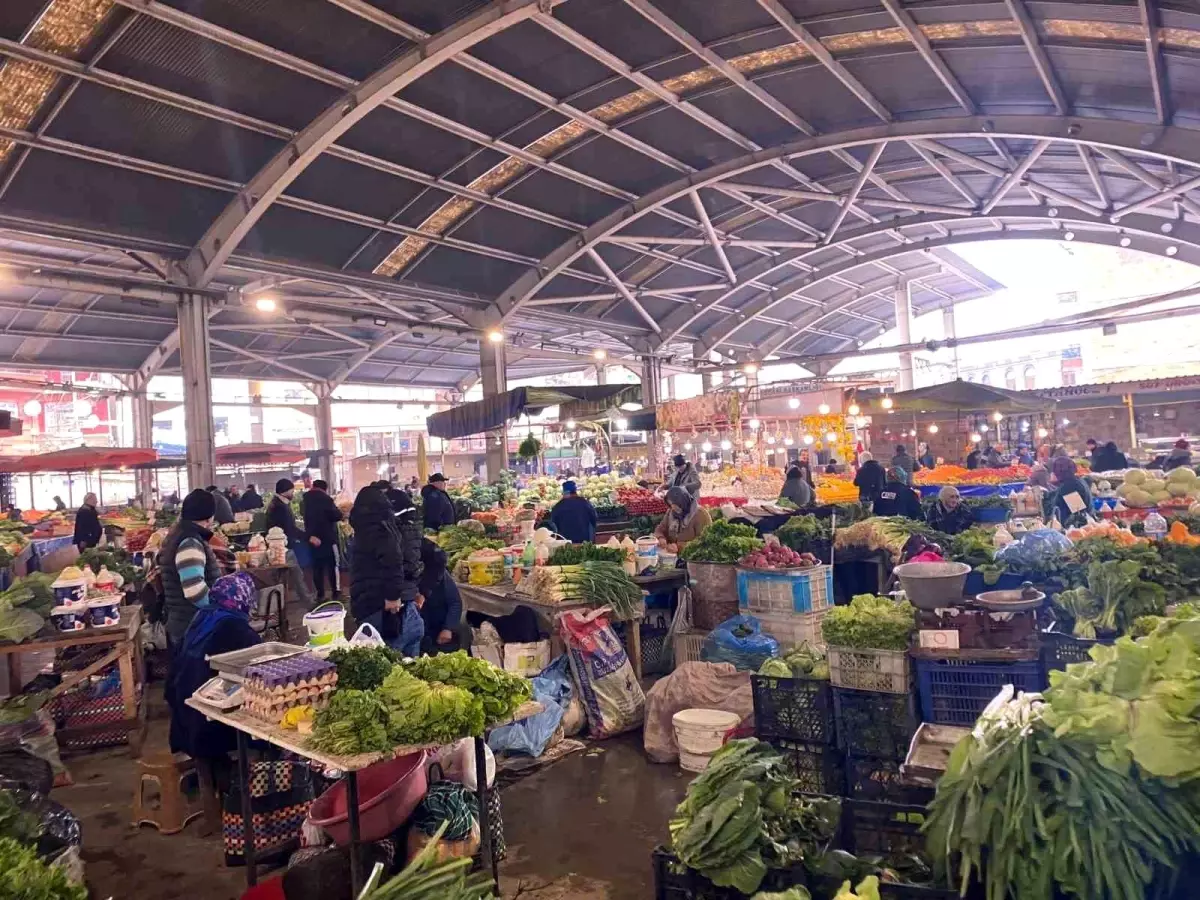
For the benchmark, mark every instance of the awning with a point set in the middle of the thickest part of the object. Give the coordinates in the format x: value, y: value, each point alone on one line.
x: 80, y: 459
x: 964, y: 396
x: 257, y: 454
x: 492, y: 412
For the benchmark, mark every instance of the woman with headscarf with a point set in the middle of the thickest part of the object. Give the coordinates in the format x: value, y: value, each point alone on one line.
x: 87, y: 524
x: 1180, y: 455
x: 949, y: 514
x: 442, y: 610
x: 685, y: 521
x: 897, y: 498
x: 1071, y: 501
x: 796, y: 489
x: 221, y: 625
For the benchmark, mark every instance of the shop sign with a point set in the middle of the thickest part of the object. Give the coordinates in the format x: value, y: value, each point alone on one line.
x: 722, y: 408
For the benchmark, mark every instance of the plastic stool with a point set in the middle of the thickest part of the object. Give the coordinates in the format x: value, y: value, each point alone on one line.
x: 174, y: 809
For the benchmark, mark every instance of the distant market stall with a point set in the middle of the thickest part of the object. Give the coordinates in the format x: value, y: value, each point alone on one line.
x: 491, y: 413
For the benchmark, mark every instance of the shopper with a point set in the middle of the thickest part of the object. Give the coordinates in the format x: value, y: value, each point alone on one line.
x: 321, y: 516
x: 438, y: 509
x: 869, y: 479
x: 59, y: 506
x: 1039, y: 476
x: 1109, y: 459
x: 234, y: 496
x: 831, y: 467
x: 251, y: 500
x: 187, y: 564
x: 684, y: 521
x: 573, y: 516
x: 949, y: 514
x: 685, y: 476
x: 897, y: 498
x: 1024, y: 457
x: 88, y: 530
x: 279, y: 515
x: 993, y: 459
x: 1181, y: 455
x: 224, y: 514
x: 903, y: 461
x: 926, y: 458
x: 385, y: 566
x: 974, y: 458
x: 1071, y: 501
x: 804, y: 464
x: 796, y: 489
x: 1093, y: 448
x: 442, y: 610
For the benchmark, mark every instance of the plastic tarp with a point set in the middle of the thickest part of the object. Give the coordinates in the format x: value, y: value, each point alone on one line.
x: 693, y: 685
x: 964, y: 396
x: 974, y: 490
x: 80, y: 459
x: 492, y: 412
x: 249, y: 454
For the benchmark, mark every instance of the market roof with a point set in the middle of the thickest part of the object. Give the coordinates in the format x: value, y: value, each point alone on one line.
x: 672, y: 176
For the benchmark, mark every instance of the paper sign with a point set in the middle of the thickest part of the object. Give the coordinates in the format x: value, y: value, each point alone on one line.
x: 1074, y: 502
x: 938, y: 639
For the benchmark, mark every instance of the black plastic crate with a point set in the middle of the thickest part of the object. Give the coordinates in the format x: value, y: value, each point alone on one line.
x: 673, y: 882
x: 878, y: 779
x: 883, y: 829
x: 798, y: 709
x: 818, y: 767
x: 1060, y: 650
x: 870, y: 723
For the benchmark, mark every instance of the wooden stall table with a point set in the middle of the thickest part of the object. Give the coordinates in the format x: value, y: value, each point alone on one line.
x: 126, y: 652
x: 662, y: 580
x: 272, y: 580
x: 250, y: 728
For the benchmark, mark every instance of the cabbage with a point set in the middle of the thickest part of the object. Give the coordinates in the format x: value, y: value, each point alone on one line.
x: 1138, y: 497
x: 1183, y: 474
x: 1154, y: 485
x: 1178, y: 488
x: 1135, y: 477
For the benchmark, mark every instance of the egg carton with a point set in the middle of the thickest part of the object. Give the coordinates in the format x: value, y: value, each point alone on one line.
x: 302, y: 667
x: 272, y: 707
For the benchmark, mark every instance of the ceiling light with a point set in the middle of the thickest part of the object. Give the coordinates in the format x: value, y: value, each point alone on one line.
x: 754, y: 424
x: 787, y: 441
x: 725, y: 445
x: 688, y: 446
x: 265, y: 303
x: 853, y: 409
x: 750, y: 368
x: 571, y: 424
x: 1042, y: 432
x: 887, y: 403
x: 831, y: 436
x: 495, y: 335
x: 913, y: 433
x: 976, y: 438
x: 823, y: 409
x: 933, y: 429
x: 1024, y: 424
x: 32, y: 408
x: 750, y: 444
x: 379, y: 323
x: 1125, y: 241
x: 882, y: 329
x: 771, y: 439
x: 997, y: 416
x: 983, y: 428
x: 600, y: 353
x: 82, y: 408
x: 1068, y: 235
x: 706, y: 447
x: 1172, y: 250
x: 622, y: 424
x: 808, y: 439
x: 92, y: 421
x: 794, y: 402
x: 1066, y: 422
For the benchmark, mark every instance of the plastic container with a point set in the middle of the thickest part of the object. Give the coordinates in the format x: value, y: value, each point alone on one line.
x: 667, y: 560
x: 785, y: 590
x: 646, y: 553
x: 69, y: 618
x: 714, y: 593
x: 933, y: 585
x: 388, y: 792
x: 69, y: 590
x: 325, y: 623
x: 872, y: 723
x: 869, y: 670
x: 1060, y: 650
x: 104, y: 612
x: 700, y: 733
x: 798, y: 709
x: 819, y: 768
x: 992, y: 514
x: 234, y: 663
x: 793, y: 629
x: 956, y: 691
x: 882, y: 829
x: 881, y: 780
x: 688, y: 645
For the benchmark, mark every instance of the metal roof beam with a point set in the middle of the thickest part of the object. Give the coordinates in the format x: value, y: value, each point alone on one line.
x: 1158, y: 75
x: 623, y: 290
x: 927, y: 53
x: 266, y: 360
x: 1094, y: 176
x: 1012, y: 178
x: 1146, y: 177
x: 850, y: 199
x: 713, y: 240
x: 1041, y: 62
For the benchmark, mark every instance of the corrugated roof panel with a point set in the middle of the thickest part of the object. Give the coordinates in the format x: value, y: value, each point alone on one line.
x: 457, y: 93
x: 17, y: 15
x: 508, y: 231
x: 619, y: 29
x: 461, y: 270
x: 285, y: 233
x: 684, y: 138
x: 534, y: 55
x: 407, y: 141
x: 346, y: 185
x: 618, y: 166
x: 567, y: 199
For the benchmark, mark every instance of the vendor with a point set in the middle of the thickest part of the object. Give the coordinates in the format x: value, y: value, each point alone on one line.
x: 187, y: 564
x: 87, y: 524
x: 992, y: 458
x: 897, y: 498
x: 1071, y: 501
x: 804, y: 464
x: 437, y: 508
x: 926, y: 457
x: 903, y: 461
x: 974, y: 457
x: 684, y: 476
x: 796, y: 489
x: 1108, y: 459
x: 279, y: 515
x: 442, y: 610
x: 949, y: 514
x: 224, y: 513
x: 869, y: 479
x: 251, y: 500
x: 685, y: 521
x: 1181, y: 455
x: 573, y: 516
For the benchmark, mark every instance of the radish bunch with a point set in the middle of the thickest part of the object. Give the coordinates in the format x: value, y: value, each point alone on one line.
x: 776, y: 556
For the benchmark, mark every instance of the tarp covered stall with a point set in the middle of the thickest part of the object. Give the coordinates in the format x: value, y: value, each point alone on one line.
x: 259, y: 454
x: 492, y: 412
x: 963, y: 396
x: 80, y: 459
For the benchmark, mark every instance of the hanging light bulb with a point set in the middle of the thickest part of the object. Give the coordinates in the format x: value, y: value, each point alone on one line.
x: 751, y: 444
x: 997, y: 416
x: 794, y: 402
x: 933, y: 429
x: 622, y: 424
x: 750, y: 368
x: 771, y: 439
x: 808, y: 439
x: 571, y: 424
x: 83, y: 408
x: 831, y: 436
x: 788, y: 441
x: 725, y: 445
x: 860, y: 422
x: 688, y: 446
x: 1042, y: 432
x: 913, y: 433
x: 853, y: 409
x: 706, y: 447
x: 823, y: 409
x: 983, y: 429
x: 976, y: 438
x: 754, y: 424
x: 32, y: 408
x: 1066, y: 422
x: 1024, y: 424
x: 92, y: 421
x: 886, y: 402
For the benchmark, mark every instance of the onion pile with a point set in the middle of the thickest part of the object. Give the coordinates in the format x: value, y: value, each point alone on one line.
x: 777, y: 556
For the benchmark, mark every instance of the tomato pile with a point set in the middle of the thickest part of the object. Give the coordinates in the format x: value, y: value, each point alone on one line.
x: 136, y: 540
x: 777, y: 556
x: 640, y: 502
x: 713, y: 502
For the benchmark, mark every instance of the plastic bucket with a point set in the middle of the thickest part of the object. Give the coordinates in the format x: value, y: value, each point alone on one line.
x: 325, y: 623
x: 646, y: 553
x: 700, y: 733
x: 388, y: 792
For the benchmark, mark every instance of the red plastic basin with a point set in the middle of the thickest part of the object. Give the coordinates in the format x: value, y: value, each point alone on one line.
x: 388, y: 792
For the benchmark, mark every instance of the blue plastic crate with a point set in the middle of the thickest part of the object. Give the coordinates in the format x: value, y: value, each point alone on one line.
x: 785, y: 590
x: 956, y: 691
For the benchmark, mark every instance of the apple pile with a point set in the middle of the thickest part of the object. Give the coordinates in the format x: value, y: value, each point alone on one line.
x: 776, y: 556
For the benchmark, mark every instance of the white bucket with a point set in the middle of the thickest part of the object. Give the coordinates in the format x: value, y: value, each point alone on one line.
x: 325, y: 623
x: 700, y: 733
x: 646, y: 553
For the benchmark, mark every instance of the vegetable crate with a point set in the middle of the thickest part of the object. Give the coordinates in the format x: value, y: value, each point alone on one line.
x: 1060, y: 650
x: 793, y: 629
x: 886, y: 671
x: 880, y: 780
x: 688, y: 645
x: 818, y: 767
x: 956, y: 691
x: 785, y: 590
x: 871, y: 723
x: 799, y: 709
x: 674, y: 881
x: 882, y: 829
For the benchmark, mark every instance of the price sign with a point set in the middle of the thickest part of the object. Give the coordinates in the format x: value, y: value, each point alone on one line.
x: 938, y: 639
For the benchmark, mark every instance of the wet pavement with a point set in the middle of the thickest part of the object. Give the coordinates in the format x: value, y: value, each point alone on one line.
x: 583, y: 829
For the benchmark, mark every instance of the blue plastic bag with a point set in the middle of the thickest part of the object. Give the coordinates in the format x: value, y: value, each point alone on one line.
x: 1033, y: 549
x: 740, y: 641
x: 553, y: 689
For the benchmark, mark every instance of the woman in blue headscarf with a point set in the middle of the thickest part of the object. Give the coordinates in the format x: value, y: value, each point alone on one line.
x: 221, y: 625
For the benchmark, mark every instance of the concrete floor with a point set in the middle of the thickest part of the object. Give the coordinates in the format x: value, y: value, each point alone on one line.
x: 582, y: 828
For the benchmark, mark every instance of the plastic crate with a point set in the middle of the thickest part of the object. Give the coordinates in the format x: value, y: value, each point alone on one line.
x: 818, y: 767
x: 793, y: 629
x: 886, y: 671
x: 880, y: 780
x: 1060, y: 650
x: 673, y: 881
x: 800, y: 709
x: 872, y: 723
x: 785, y: 590
x: 956, y: 691
x: 882, y: 829
x: 688, y: 645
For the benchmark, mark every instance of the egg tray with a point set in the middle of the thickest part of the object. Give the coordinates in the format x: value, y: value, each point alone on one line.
x: 306, y: 667
x: 271, y: 707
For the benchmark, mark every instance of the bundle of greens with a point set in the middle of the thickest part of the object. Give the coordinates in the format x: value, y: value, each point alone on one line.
x: 867, y: 889
x: 16, y: 823
x: 499, y: 692
x: 23, y: 876
x: 722, y: 542
x: 460, y: 540
x: 574, y: 554
x: 741, y: 817
x: 31, y: 591
x: 803, y: 661
x: 420, y: 712
x: 888, y: 533
x: 427, y: 878
x: 363, y: 668
x: 116, y: 561
x: 1144, y: 625
x: 804, y: 532
x: 973, y: 547
x: 870, y: 623
x: 1116, y: 595
x: 353, y: 722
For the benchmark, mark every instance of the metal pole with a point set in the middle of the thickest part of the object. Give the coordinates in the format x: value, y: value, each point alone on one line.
x: 248, y: 854
x: 904, y: 326
x: 197, y: 395
x: 1128, y: 398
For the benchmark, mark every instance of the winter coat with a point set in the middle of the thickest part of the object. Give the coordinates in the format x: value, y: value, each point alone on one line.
x: 1106, y: 460
x: 386, y: 560
x: 88, y: 530
x: 973, y: 459
x: 898, y: 499
x: 905, y: 462
x: 443, y: 604
x: 1174, y: 460
x: 438, y: 508
x: 188, y: 568
x: 687, y: 478
x: 683, y: 531
x: 869, y: 480
x: 224, y: 513
x: 797, y: 490
x: 574, y: 518
x: 321, y: 516
x: 949, y: 521
x: 279, y: 515
x: 250, y: 501
x: 1058, y: 502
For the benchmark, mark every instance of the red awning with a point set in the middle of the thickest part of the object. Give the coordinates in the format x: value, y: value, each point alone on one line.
x: 250, y: 454
x: 79, y: 459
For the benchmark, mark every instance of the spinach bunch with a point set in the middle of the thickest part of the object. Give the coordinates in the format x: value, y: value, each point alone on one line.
x: 362, y: 668
x: 870, y: 623
x: 722, y: 542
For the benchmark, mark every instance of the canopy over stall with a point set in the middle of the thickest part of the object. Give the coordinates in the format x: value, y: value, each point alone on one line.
x: 80, y: 459
x: 259, y: 454
x: 493, y: 412
x: 962, y: 396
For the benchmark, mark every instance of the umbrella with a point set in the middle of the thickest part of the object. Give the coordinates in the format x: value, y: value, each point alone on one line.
x: 248, y: 454
x: 422, y: 462
x: 79, y: 459
x: 964, y: 396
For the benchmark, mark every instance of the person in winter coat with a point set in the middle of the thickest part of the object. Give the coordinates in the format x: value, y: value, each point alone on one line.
x: 250, y: 500
x: 685, y: 521
x: 187, y: 564
x: 897, y: 498
x: 869, y: 479
x: 926, y: 458
x: 573, y: 516
x: 903, y: 461
x: 796, y: 489
x: 1180, y: 456
x: 321, y: 516
x: 438, y: 509
x: 974, y: 458
x: 224, y: 514
x: 948, y: 514
x: 88, y: 530
x: 442, y: 610
x: 1071, y: 501
x: 993, y: 459
x: 1108, y: 459
x: 685, y: 476
x: 279, y: 515
x: 385, y: 566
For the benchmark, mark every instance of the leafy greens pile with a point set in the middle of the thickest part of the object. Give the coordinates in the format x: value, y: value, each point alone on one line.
x: 23, y: 876
x: 25, y: 606
x: 419, y: 712
x: 363, y: 668
x: 804, y: 532
x: 1115, y: 596
x: 429, y: 878
x: 803, y: 661
x: 870, y: 623
x: 500, y: 692
x: 353, y: 722
x: 574, y: 554
x: 722, y: 542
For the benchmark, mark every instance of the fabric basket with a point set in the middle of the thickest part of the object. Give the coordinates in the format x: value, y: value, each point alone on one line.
x: 280, y: 795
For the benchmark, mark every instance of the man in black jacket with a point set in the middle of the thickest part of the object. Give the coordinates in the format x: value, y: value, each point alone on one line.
x: 897, y: 498
x: 321, y: 516
x: 384, y: 568
x: 88, y: 530
x: 438, y: 509
x: 573, y: 516
x: 869, y: 479
x: 250, y: 500
x: 279, y: 515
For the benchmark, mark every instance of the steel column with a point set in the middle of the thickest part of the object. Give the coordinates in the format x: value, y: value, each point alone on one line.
x: 142, y: 411
x: 493, y: 370
x: 195, y: 364
x: 904, y: 326
x: 651, y: 396
x: 950, y: 329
